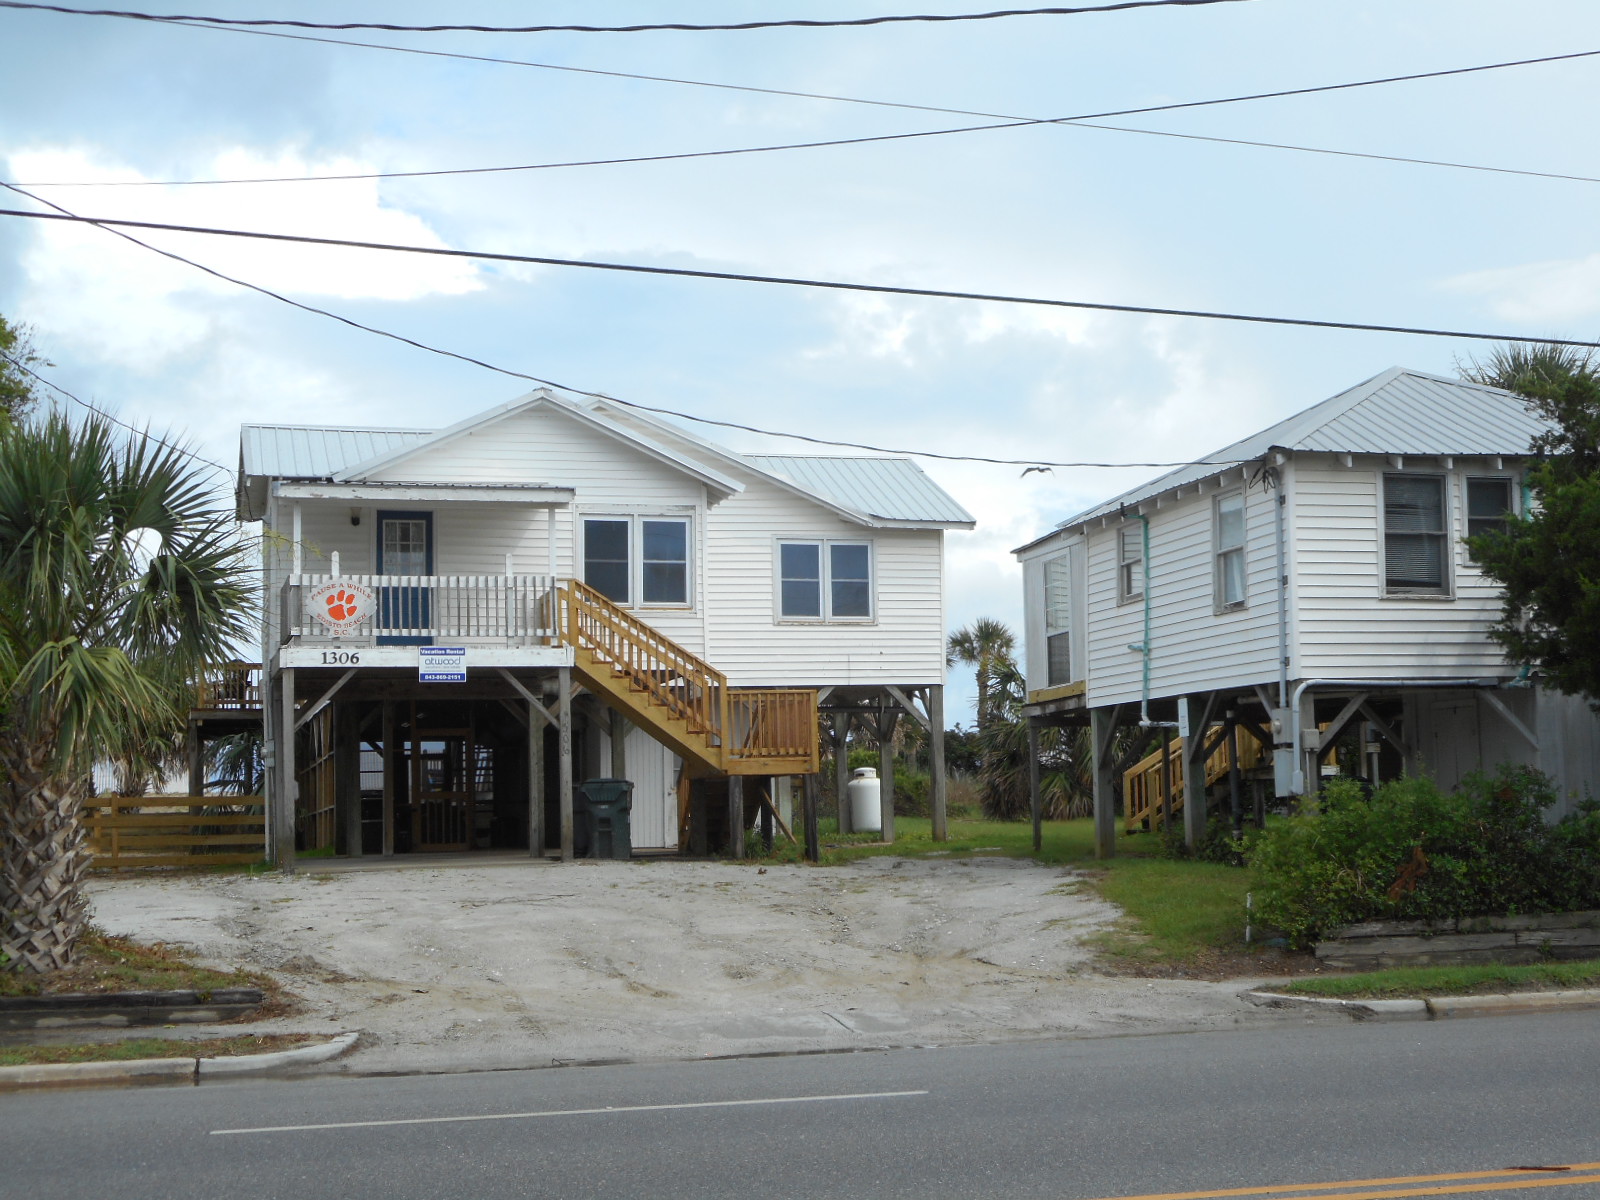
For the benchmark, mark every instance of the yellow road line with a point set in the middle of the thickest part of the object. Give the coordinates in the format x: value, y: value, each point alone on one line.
x: 1523, y: 1178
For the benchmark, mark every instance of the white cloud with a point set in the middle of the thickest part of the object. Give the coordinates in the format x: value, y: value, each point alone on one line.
x: 350, y: 209
x: 1550, y: 292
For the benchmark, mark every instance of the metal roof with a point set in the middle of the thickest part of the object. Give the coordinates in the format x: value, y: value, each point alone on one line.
x: 893, y: 489
x: 316, y: 452
x: 1400, y: 412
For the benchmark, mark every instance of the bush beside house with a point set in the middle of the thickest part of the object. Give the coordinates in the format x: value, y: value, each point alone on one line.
x: 1410, y: 851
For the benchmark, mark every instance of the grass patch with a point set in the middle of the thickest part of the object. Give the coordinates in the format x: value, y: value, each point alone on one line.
x: 1476, y: 980
x: 1178, y: 912
x: 117, y: 964
x: 151, y: 1047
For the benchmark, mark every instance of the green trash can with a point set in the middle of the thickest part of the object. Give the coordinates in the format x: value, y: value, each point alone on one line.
x: 605, y: 815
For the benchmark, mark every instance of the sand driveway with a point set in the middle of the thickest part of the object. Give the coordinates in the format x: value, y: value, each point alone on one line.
x: 514, y: 963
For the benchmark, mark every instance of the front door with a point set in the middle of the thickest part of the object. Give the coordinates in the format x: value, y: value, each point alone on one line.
x: 441, y: 789
x: 405, y: 547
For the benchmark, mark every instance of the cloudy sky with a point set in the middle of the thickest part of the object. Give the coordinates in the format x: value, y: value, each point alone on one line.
x: 1053, y: 211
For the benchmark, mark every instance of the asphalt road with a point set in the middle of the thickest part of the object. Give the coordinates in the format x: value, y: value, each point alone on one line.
x: 1320, y: 1112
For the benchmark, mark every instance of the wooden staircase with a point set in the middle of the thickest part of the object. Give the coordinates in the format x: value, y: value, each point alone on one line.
x: 1142, y: 788
x: 682, y: 700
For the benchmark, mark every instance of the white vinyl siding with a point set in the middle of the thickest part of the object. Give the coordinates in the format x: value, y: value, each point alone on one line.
x: 1346, y: 624
x: 1193, y: 647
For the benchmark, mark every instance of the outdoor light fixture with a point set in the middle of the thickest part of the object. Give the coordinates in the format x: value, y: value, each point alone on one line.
x: 355, y: 516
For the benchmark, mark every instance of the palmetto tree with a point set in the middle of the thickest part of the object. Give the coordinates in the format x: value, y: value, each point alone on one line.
x: 118, y: 570
x: 981, y: 646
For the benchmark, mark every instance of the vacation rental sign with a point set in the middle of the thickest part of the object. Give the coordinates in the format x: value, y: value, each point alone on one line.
x: 341, y: 607
x: 441, y: 664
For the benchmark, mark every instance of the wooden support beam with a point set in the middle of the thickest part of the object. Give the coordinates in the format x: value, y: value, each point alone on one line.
x: 908, y: 706
x: 811, y: 801
x: 347, y: 776
x: 1499, y: 706
x: 325, y: 700
x: 1194, y: 768
x: 886, y: 721
x: 1035, y: 801
x: 618, y: 730
x: 938, y: 784
x: 536, y: 790
x: 533, y: 701
x: 1103, y: 728
x: 1336, y: 726
x: 288, y: 784
x: 391, y: 758
x: 1383, y: 727
x: 841, y: 770
x: 736, y: 816
x: 564, y: 740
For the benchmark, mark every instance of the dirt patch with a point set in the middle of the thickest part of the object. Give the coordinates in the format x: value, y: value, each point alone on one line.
x: 512, y: 965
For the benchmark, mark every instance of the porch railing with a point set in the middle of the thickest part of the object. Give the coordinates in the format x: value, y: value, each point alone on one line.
x: 772, y: 723
x: 683, y: 683
x: 515, y: 610
x: 231, y: 686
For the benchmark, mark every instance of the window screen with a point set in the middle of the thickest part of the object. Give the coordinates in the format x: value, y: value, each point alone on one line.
x: 1230, y: 550
x: 605, y: 557
x: 1488, y: 504
x: 800, y: 579
x: 666, y: 562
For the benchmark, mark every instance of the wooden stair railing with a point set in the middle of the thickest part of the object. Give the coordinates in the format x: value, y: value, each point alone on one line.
x: 683, y: 699
x: 1141, y: 783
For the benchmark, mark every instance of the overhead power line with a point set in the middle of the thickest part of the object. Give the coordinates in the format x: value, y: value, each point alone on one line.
x: 507, y: 371
x: 1083, y: 120
x: 780, y: 280
x: 112, y: 417
x: 789, y: 23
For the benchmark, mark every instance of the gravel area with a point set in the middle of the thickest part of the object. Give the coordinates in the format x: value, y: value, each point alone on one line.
x: 519, y: 963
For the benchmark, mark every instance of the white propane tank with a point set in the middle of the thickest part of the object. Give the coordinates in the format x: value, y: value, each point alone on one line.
x: 865, y: 814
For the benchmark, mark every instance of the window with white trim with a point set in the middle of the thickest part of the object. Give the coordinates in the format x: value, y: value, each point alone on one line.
x: 1130, y: 562
x: 825, y: 581
x: 645, y: 557
x: 1415, y: 535
x: 1057, y: 620
x: 1227, y: 523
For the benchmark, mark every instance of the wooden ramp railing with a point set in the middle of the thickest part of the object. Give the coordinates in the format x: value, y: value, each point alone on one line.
x: 175, y: 831
x: 1142, y: 788
x: 682, y: 699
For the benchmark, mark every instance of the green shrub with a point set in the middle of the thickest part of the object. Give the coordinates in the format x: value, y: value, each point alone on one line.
x: 1411, y: 852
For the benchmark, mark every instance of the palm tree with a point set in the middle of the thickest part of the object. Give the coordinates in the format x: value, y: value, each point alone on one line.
x: 118, y: 568
x: 982, y: 646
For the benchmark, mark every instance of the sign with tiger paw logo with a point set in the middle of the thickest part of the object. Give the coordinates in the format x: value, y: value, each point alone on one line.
x: 341, y: 606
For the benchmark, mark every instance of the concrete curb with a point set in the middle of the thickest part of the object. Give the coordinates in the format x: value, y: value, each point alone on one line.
x: 1435, y: 1009
x: 170, y: 1070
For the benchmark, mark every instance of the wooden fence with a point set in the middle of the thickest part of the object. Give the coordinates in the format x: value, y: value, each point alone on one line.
x: 175, y: 831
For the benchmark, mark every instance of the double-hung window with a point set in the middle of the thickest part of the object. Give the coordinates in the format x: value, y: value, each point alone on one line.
x: 644, y: 557
x: 1130, y: 562
x: 1228, y: 527
x: 1057, y: 620
x: 1415, y: 535
x: 825, y: 581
